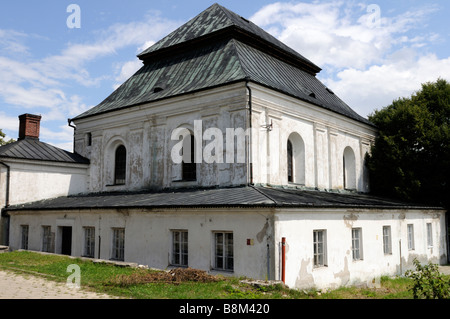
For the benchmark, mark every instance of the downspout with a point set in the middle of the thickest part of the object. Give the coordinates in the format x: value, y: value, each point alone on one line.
x: 74, y: 129
x: 3, y: 213
x: 283, y: 260
x: 249, y: 150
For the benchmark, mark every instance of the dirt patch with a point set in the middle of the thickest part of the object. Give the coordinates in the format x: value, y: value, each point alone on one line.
x: 174, y: 276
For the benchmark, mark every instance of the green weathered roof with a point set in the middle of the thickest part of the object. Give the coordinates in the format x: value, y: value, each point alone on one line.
x: 217, y: 20
x: 183, y: 63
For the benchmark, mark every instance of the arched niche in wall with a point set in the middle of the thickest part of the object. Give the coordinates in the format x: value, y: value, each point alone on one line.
x: 349, y: 168
x: 115, y: 162
x: 295, y: 159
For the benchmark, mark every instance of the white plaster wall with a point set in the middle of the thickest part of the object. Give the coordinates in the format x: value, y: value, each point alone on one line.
x: 297, y: 227
x: 32, y: 181
x: 325, y: 135
x: 148, y: 235
x: 146, y: 132
x: 148, y: 239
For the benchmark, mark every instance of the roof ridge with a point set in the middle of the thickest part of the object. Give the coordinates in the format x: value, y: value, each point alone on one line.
x: 262, y: 193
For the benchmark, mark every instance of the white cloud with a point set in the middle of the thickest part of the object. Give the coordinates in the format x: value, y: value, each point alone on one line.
x: 379, y: 85
x: 367, y: 64
x: 9, y: 125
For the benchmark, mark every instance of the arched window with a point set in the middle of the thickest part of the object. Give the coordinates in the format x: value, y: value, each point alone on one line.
x: 120, y: 165
x: 189, y: 167
x: 349, y: 168
x: 296, y: 159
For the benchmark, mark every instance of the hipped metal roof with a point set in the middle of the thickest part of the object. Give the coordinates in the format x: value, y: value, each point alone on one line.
x: 218, y: 47
x: 245, y: 197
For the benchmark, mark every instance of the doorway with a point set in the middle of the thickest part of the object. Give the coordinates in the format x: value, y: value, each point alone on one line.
x: 66, y: 240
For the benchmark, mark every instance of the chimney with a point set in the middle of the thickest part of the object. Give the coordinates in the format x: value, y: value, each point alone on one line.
x: 29, y: 126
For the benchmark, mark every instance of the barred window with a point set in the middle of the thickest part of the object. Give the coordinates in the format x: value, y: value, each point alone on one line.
x: 24, y: 240
x: 47, y: 239
x: 89, y: 242
x: 118, y: 244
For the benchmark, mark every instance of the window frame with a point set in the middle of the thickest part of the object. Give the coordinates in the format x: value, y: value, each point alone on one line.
x: 387, y: 240
x: 180, y: 256
x: 89, y: 242
x: 429, y: 228
x: 225, y: 260
x: 357, y: 244
x: 118, y: 244
x: 47, y: 239
x: 24, y: 235
x: 320, y: 257
x: 410, y: 235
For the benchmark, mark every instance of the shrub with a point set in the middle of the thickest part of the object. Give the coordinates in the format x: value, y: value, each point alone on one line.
x: 429, y: 283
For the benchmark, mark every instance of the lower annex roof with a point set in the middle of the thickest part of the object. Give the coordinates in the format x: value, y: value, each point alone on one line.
x: 245, y: 196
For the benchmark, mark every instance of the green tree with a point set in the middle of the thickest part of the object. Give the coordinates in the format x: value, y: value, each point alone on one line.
x: 2, y: 141
x: 410, y: 159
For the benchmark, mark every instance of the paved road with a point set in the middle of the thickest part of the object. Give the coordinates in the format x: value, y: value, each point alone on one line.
x: 15, y: 286
x: 445, y: 269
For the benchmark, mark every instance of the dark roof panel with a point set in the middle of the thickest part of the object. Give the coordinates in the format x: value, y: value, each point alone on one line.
x: 213, y: 20
x: 219, y: 63
x: 33, y: 149
x: 246, y: 196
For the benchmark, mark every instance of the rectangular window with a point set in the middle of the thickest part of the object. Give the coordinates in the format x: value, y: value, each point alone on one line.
x: 357, y: 244
x: 410, y: 237
x: 24, y: 240
x: 429, y: 235
x: 223, y: 248
x: 387, y: 242
x: 89, y: 242
x: 320, y: 249
x: 180, y: 248
x: 47, y: 239
x: 118, y: 244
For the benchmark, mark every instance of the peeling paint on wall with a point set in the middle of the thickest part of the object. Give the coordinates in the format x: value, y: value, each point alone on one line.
x: 350, y: 219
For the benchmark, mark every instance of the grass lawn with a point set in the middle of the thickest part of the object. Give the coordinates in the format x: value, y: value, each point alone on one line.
x: 150, y: 284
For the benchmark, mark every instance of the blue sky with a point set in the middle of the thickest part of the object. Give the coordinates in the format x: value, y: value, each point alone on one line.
x: 371, y: 52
